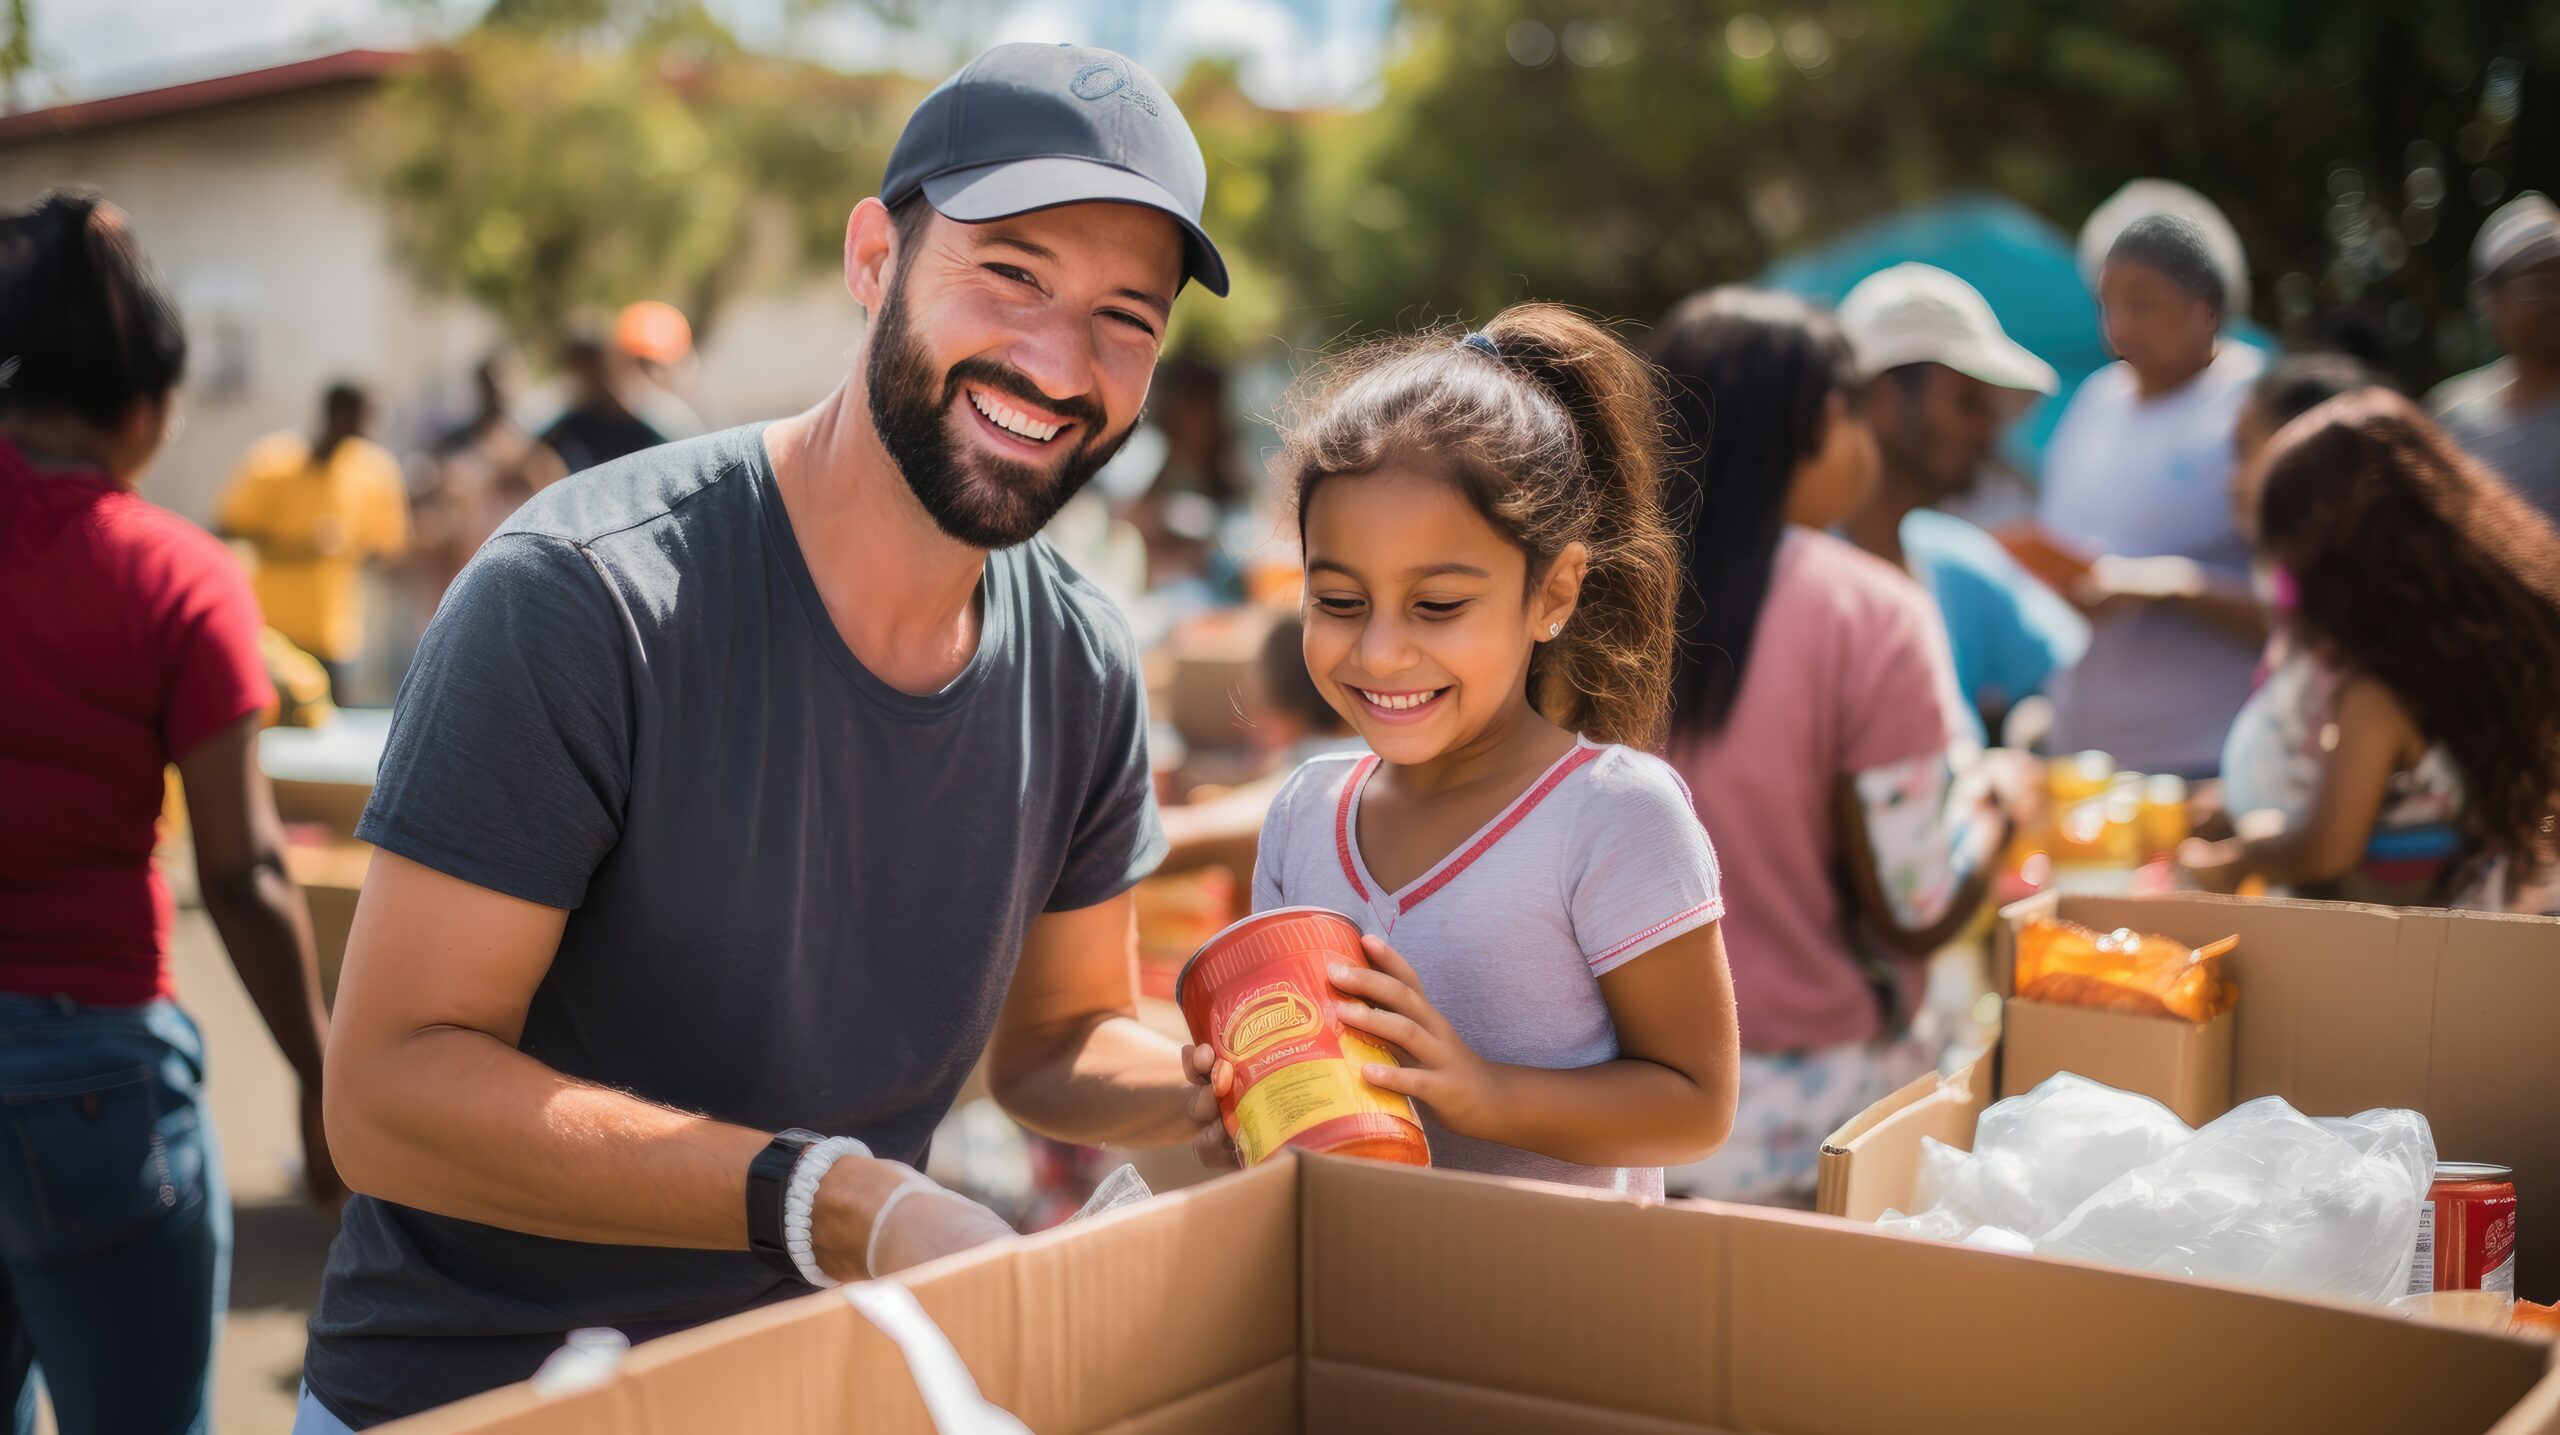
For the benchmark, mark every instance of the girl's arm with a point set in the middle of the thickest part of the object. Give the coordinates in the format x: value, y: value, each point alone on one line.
x: 1668, y: 1099
x: 2376, y: 738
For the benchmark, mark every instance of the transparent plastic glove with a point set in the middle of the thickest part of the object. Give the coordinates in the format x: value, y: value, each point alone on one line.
x: 921, y: 1222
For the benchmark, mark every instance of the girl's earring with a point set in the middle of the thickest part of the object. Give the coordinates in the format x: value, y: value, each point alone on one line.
x: 1554, y: 628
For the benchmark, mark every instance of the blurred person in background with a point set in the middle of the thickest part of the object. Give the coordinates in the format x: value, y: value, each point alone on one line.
x: 1200, y: 484
x: 131, y: 642
x: 1943, y: 381
x: 664, y: 365
x: 2138, y: 476
x: 2407, y: 749
x: 602, y: 421
x: 317, y: 511
x: 2507, y: 415
x: 475, y: 476
x: 1816, y: 720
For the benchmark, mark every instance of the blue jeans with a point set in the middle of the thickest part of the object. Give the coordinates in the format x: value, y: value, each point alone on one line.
x: 115, y: 1226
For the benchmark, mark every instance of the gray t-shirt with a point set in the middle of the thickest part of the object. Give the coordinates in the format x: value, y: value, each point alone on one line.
x: 795, y: 894
x: 2524, y: 447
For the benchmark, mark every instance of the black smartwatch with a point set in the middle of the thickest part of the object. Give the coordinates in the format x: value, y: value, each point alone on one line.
x: 768, y: 1180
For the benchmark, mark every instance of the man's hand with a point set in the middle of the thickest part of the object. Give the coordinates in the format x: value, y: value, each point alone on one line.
x: 1439, y: 1068
x: 1211, y: 1080
x: 873, y: 1218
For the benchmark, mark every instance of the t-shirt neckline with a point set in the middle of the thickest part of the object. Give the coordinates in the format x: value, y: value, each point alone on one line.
x: 1459, y: 858
x: 996, y: 606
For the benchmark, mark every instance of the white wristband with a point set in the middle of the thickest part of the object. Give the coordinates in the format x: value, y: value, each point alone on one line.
x: 800, y: 1198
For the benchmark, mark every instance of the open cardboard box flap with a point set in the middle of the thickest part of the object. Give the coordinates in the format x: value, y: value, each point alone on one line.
x: 2342, y: 1008
x: 1342, y: 1296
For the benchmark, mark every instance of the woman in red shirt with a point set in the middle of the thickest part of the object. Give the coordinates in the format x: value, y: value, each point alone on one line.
x: 128, y: 641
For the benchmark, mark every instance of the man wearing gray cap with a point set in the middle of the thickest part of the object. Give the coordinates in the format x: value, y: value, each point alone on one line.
x: 1943, y: 380
x: 758, y: 783
x: 2508, y: 413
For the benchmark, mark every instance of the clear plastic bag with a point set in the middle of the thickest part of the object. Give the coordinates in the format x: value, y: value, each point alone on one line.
x: 2263, y: 1195
x: 2266, y: 1196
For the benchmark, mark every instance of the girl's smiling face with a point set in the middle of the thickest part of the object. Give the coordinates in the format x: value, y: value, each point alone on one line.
x: 1420, y: 621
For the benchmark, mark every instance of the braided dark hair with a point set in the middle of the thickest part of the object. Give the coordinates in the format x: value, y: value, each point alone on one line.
x: 2424, y: 570
x: 1554, y: 430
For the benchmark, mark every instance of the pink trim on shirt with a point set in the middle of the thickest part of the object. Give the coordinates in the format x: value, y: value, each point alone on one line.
x: 1710, y: 910
x: 1519, y: 809
x: 1342, y: 823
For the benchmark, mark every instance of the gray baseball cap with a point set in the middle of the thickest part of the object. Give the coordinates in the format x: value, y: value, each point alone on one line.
x: 1025, y: 127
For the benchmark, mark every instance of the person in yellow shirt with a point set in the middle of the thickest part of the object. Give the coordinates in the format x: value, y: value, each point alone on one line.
x: 316, y: 511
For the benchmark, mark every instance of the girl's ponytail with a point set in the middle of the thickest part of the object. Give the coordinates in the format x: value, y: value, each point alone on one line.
x: 1608, y: 675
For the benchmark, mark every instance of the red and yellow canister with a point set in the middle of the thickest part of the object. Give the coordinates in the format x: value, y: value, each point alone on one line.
x: 1257, y: 993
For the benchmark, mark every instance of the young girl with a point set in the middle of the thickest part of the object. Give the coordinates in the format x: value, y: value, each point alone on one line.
x: 2407, y: 748
x: 1490, y: 596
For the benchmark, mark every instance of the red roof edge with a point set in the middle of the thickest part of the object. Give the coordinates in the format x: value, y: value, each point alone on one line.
x: 320, y: 70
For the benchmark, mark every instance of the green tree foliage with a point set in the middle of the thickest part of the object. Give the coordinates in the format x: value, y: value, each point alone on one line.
x: 1619, y: 153
x: 571, y: 154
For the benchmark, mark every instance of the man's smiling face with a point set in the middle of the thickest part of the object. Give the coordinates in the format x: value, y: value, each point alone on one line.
x: 1009, y: 359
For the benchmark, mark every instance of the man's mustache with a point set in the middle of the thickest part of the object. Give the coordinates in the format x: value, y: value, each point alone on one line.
x: 1012, y: 383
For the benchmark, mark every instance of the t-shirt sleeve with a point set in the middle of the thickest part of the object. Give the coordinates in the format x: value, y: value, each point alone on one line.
x: 1899, y: 686
x: 209, y: 649
x: 1118, y: 838
x: 1642, y: 871
x: 509, y: 759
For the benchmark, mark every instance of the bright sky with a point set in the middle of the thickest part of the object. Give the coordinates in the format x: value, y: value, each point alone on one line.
x: 1296, y: 52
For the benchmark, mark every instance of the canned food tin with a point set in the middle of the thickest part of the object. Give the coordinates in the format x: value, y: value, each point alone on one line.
x: 2467, y: 1231
x: 1258, y: 993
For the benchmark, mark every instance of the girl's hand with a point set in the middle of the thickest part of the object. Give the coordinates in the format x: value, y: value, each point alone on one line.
x: 1210, y: 1080
x: 2212, y: 866
x: 1439, y: 1068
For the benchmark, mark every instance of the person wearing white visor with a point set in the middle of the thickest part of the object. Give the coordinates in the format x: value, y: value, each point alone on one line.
x: 2507, y: 414
x: 1943, y: 382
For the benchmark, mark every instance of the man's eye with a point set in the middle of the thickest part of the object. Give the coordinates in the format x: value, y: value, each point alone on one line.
x: 1007, y: 271
x: 1133, y: 321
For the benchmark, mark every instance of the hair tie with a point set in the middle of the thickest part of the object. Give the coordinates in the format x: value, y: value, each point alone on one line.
x: 1481, y: 342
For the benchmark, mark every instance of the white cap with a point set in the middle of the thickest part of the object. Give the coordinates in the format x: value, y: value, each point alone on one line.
x: 1921, y: 314
x: 2144, y: 197
x: 2525, y: 231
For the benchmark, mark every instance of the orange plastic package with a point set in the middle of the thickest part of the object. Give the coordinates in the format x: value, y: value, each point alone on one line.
x: 2124, y: 971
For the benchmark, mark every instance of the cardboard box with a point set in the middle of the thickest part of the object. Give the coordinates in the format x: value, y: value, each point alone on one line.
x: 2185, y: 1066
x: 1351, y: 1297
x: 2342, y: 1008
x: 1213, y: 657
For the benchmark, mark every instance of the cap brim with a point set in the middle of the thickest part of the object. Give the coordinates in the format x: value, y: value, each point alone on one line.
x: 1000, y: 191
x: 2001, y: 363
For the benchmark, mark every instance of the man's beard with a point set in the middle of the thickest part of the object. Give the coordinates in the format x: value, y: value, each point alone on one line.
x: 981, y: 500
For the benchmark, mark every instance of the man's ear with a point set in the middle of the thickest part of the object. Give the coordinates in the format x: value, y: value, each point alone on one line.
x: 870, y: 253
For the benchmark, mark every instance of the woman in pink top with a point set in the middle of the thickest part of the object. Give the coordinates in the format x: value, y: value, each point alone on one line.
x: 1815, y: 717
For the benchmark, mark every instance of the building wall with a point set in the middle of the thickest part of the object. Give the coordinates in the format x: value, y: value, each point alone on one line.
x: 280, y: 264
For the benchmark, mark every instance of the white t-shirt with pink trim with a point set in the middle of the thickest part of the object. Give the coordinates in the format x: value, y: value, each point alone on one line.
x: 1599, y: 862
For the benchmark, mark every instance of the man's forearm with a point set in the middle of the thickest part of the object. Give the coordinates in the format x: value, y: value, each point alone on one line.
x: 1107, y: 1080
x: 266, y: 928
x: 456, y: 1122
